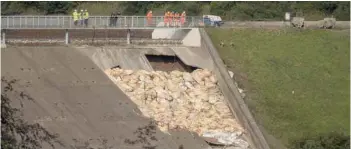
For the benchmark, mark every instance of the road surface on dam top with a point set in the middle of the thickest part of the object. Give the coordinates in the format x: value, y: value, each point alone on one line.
x: 75, y: 99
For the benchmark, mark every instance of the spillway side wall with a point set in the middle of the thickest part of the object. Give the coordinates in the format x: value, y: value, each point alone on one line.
x: 233, y: 97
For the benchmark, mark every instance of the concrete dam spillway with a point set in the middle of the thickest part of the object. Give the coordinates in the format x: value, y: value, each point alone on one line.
x: 76, y: 99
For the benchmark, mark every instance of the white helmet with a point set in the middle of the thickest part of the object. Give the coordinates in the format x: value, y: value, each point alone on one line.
x: 81, y: 10
x: 75, y: 10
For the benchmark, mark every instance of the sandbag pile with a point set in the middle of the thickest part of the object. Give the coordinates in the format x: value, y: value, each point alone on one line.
x: 327, y: 23
x: 298, y: 22
x: 178, y: 100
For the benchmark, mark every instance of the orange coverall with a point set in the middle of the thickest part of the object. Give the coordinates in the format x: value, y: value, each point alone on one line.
x: 176, y: 19
x: 182, y: 19
x: 165, y: 19
x: 171, y: 18
x: 149, y: 18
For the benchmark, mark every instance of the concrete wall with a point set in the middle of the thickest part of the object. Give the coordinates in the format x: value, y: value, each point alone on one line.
x: 193, y: 38
x: 169, y: 33
x: 108, y: 57
x: 233, y: 97
x: 163, y: 33
x: 195, y: 57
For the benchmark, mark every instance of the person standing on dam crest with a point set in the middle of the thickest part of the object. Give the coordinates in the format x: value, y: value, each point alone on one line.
x: 116, y: 17
x: 86, y: 18
x: 182, y: 19
x: 75, y: 17
x: 112, y: 19
x: 81, y: 17
x: 165, y: 19
x: 176, y: 19
x: 149, y: 18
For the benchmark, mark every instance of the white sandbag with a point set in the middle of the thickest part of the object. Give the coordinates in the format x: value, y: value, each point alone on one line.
x: 178, y: 99
x: 188, y: 85
x: 175, y: 94
x: 213, y: 79
x: 128, y: 72
x: 206, y: 73
x: 212, y: 99
x: 197, y: 76
x: 231, y: 74
x: 126, y: 88
x: 171, y: 86
x: 176, y: 73
x: 187, y: 77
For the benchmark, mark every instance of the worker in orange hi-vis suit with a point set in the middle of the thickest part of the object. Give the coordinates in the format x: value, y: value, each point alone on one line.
x: 149, y: 18
x: 182, y: 19
x: 176, y: 19
x: 169, y: 18
x: 165, y: 19
x: 172, y: 18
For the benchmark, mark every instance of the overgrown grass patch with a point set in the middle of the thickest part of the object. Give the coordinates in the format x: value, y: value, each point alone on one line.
x: 298, y: 81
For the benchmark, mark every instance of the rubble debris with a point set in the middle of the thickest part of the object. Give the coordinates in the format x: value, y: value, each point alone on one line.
x: 178, y: 100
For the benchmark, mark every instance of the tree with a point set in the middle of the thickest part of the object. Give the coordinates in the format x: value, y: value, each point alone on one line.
x: 16, y: 133
x: 342, y: 12
x: 255, y: 10
x: 54, y: 7
x: 12, y: 8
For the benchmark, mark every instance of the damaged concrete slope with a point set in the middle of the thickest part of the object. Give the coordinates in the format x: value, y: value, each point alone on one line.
x: 78, y: 101
x: 75, y: 99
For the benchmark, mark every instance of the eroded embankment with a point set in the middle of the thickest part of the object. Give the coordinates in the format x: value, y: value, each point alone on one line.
x: 181, y: 100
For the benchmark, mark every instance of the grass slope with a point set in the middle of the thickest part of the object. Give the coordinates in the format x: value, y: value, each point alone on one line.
x: 298, y: 81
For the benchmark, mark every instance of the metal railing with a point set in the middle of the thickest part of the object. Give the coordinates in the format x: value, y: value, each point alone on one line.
x: 67, y: 22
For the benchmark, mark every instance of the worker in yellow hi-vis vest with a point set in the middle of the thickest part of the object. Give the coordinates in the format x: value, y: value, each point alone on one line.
x: 75, y: 17
x: 81, y: 17
x: 86, y: 18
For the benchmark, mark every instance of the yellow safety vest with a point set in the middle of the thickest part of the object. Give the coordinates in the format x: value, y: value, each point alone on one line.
x: 86, y: 15
x: 75, y: 16
x: 81, y: 15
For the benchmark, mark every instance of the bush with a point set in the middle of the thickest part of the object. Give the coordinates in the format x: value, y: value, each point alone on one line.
x: 329, y: 141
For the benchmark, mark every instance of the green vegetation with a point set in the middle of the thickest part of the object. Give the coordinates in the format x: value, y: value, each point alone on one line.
x: 297, y: 80
x: 15, y: 132
x: 258, y: 10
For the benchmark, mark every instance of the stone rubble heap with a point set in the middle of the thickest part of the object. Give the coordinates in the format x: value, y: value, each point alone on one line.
x: 178, y: 100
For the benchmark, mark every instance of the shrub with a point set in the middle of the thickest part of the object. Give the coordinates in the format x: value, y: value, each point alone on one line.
x: 329, y: 141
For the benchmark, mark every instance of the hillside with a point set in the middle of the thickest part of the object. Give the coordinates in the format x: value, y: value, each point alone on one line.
x: 297, y: 82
